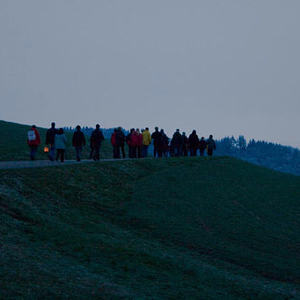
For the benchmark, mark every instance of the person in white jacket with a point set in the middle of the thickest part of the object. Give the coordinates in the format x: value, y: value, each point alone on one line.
x: 60, y: 145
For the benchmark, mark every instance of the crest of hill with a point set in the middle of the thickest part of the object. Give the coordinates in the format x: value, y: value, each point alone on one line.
x: 179, y: 228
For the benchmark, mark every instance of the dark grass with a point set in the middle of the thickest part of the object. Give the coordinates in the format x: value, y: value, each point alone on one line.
x: 13, y: 145
x: 190, y: 228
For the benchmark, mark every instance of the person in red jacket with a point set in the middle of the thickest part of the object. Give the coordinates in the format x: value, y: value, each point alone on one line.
x: 33, y: 141
x: 139, y: 143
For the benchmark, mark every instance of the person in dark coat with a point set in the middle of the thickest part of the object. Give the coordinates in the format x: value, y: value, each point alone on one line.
x: 130, y: 140
x: 164, y: 144
x: 96, y: 140
x: 50, y: 140
x: 120, y: 141
x: 211, y: 145
x: 194, y: 143
x: 139, y: 143
x: 156, y: 137
x: 185, y: 144
x: 177, y: 142
x: 78, y: 142
x: 202, y: 146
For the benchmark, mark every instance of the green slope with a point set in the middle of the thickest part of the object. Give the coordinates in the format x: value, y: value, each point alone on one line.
x: 151, y: 229
x: 13, y: 144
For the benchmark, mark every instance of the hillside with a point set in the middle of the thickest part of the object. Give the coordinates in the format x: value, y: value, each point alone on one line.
x: 13, y: 144
x: 151, y: 229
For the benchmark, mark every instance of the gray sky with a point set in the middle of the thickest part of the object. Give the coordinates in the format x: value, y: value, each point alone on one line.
x: 223, y: 67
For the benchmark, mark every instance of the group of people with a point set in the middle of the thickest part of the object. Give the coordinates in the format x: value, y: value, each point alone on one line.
x: 138, y: 143
x: 180, y: 145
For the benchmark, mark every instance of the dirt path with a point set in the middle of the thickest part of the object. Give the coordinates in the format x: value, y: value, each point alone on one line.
x: 4, y: 165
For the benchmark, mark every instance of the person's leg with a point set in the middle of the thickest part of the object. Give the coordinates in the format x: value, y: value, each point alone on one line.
x: 62, y: 157
x: 51, y: 152
x: 96, y: 155
x: 159, y: 152
x: 195, y: 151
x: 33, y: 151
x: 143, y: 151
x: 57, y: 154
x: 78, y: 153
x: 123, y: 150
x: 155, y: 151
x: 139, y: 154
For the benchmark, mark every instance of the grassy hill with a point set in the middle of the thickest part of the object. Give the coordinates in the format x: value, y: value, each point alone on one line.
x: 153, y: 229
x: 13, y: 144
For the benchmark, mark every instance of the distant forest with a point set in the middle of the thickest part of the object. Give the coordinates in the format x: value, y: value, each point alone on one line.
x: 270, y: 155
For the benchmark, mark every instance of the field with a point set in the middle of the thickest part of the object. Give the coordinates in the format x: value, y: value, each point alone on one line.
x: 153, y: 229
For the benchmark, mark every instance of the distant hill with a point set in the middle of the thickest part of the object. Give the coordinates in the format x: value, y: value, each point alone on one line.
x: 192, y: 228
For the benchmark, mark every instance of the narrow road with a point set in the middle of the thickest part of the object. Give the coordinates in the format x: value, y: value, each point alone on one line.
x: 5, y: 165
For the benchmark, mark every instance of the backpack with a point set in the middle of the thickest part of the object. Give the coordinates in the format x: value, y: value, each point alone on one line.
x: 31, y: 135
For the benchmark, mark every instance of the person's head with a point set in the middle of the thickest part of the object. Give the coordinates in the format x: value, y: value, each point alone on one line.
x: 52, y: 125
x: 177, y: 130
x: 78, y: 128
x: 60, y: 131
x: 33, y: 126
x: 194, y: 131
x: 143, y: 130
x: 156, y: 128
x: 211, y: 136
x: 183, y: 133
x: 132, y: 130
x: 137, y: 130
x: 147, y: 128
x: 162, y: 131
x: 97, y: 126
x: 115, y: 130
x: 203, y: 138
x: 120, y: 128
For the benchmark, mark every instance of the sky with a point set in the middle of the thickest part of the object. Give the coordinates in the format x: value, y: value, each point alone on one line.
x: 221, y: 67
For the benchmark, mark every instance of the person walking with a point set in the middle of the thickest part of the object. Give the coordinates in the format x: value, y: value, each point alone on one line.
x: 50, y: 140
x: 156, y: 137
x: 185, y: 144
x: 177, y: 143
x: 78, y: 142
x: 202, y: 146
x: 116, y: 148
x: 164, y: 144
x: 211, y: 146
x: 139, y: 143
x: 33, y: 141
x: 194, y: 143
x: 120, y: 141
x: 130, y: 143
x: 60, y: 141
x: 146, y: 142
x: 96, y: 140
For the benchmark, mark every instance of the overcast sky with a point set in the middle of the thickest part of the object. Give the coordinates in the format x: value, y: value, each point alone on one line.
x: 222, y: 67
